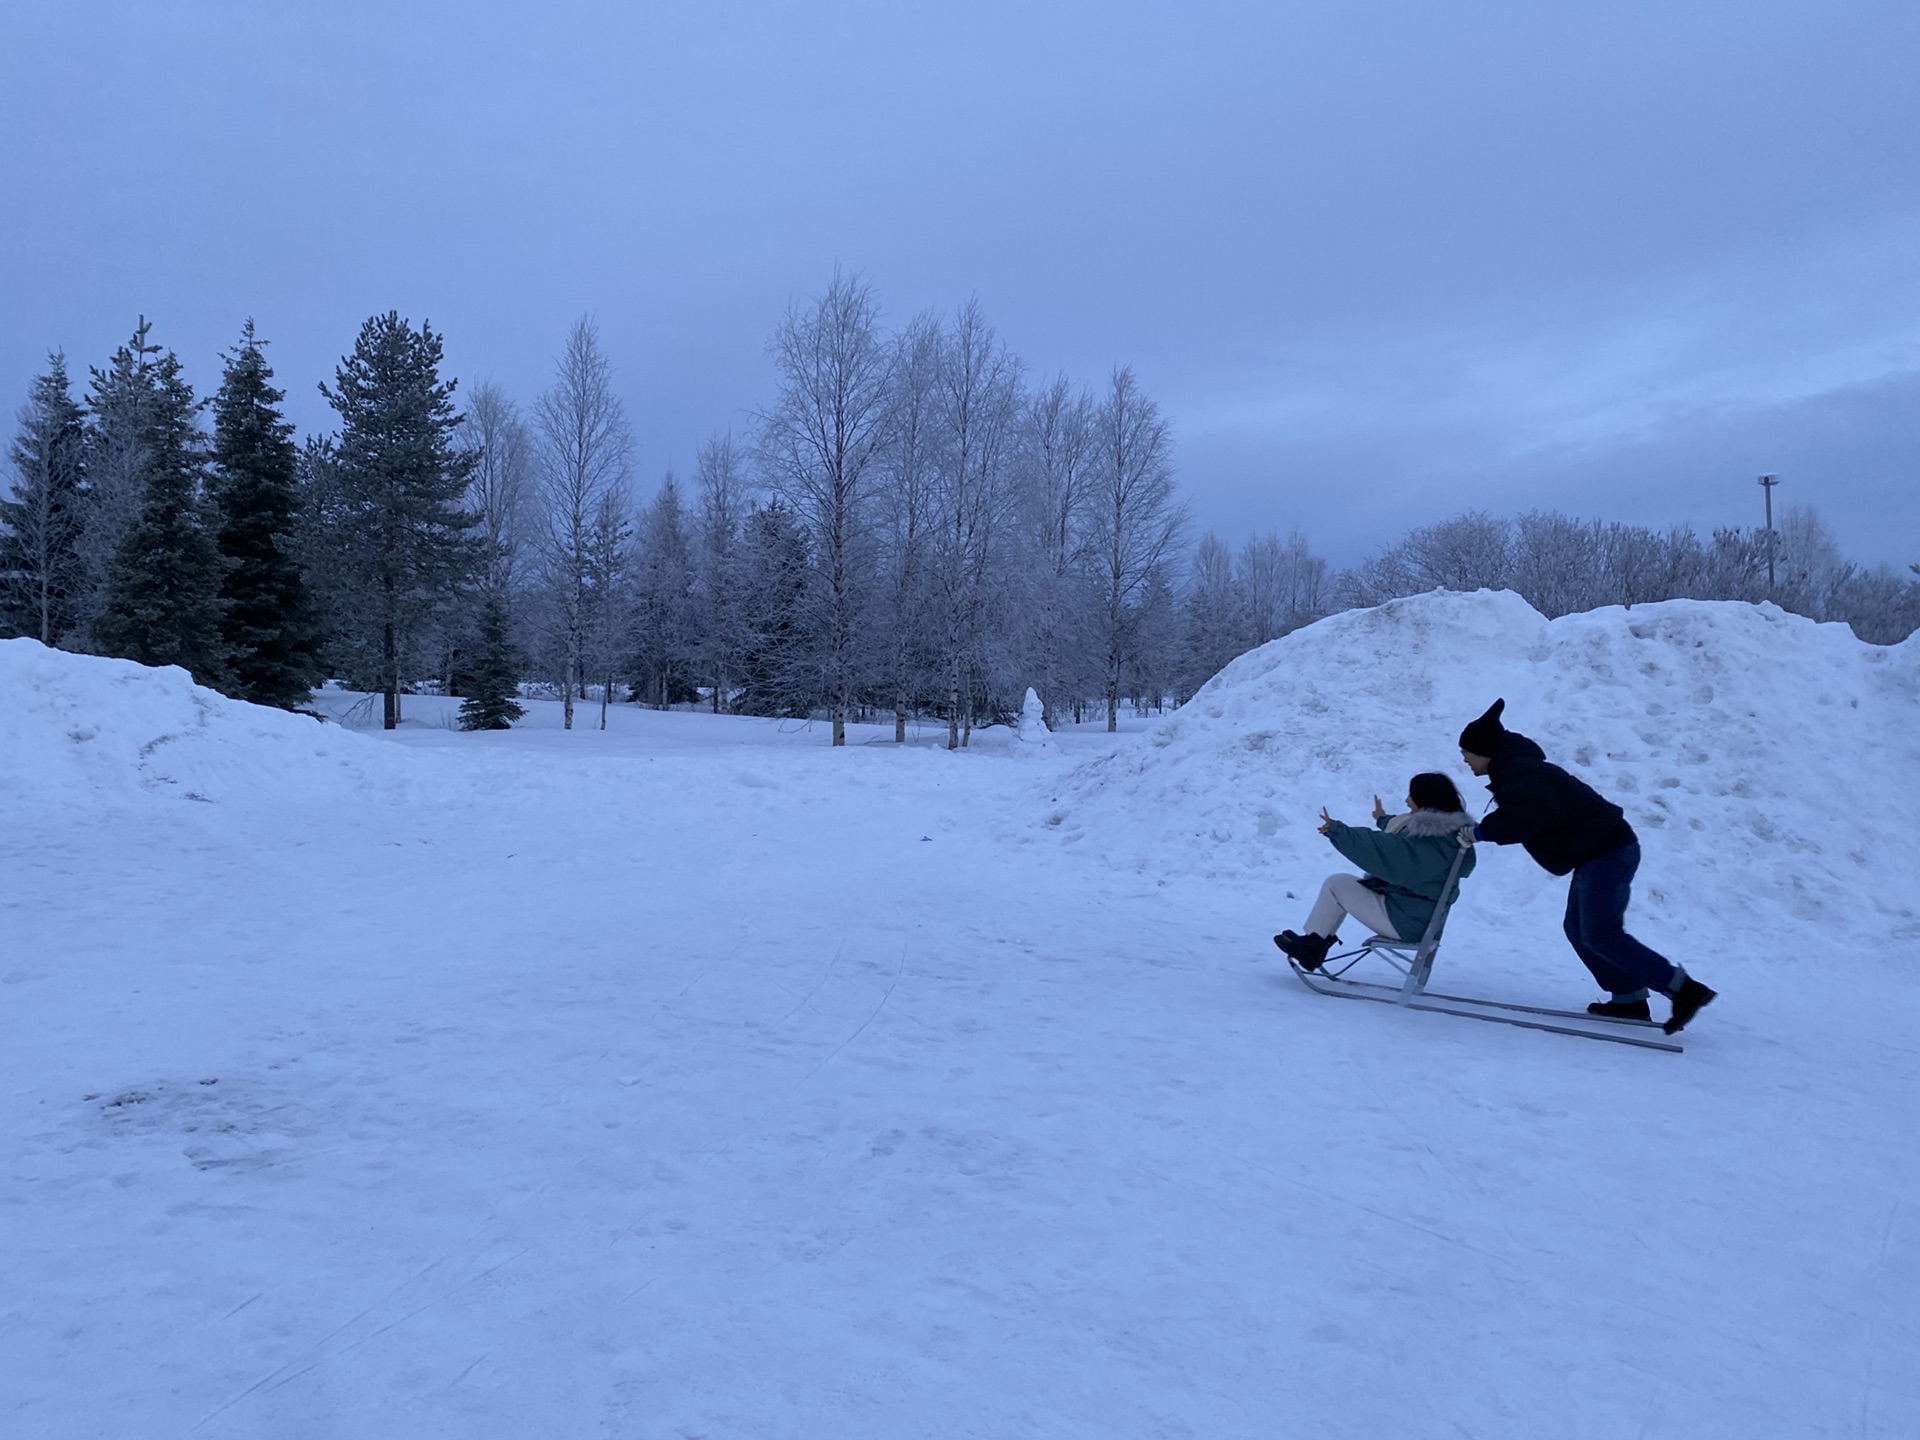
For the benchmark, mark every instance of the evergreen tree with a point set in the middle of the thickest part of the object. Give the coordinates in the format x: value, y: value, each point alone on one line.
x: 399, y: 480
x: 163, y: 583
x: 779, y: 662
x: 42, y: 575
x: 118, y: 408
x: 268, y: 623
x: 666, y: 601
x: 492, y: 693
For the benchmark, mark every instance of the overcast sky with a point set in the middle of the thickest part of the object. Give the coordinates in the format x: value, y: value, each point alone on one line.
x: 1378, y: 262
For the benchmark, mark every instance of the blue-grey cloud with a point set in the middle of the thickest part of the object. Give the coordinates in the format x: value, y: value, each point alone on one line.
x: 1434, y: 257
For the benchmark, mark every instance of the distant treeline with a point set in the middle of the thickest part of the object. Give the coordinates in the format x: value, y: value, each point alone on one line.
x: 914, y: 529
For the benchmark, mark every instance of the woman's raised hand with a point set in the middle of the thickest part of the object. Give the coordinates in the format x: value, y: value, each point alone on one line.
x: 1326, y: 820
x: 1379, y: 810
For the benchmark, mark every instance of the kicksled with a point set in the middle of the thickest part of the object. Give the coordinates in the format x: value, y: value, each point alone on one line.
x: 1645, y: 1034
x: 1413, y: 960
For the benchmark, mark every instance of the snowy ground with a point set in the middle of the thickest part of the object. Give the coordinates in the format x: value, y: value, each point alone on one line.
x: 695, y: 1079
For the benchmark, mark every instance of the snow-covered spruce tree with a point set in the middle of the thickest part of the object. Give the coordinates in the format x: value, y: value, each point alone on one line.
x: 818, y: 445
x: 163, y: 582
x: 117, y: 405
x: 780, y: 669
x: 664, y: 585
x: 493, y: 688
x: 272, y: 639
x: 1133, y: 514
x: 42, y: 575
x: 584, y: 446
x: 399, y: 481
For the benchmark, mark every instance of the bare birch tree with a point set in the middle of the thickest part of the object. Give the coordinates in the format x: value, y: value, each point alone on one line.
x: 583, y: 457
x: 818, y: 444
x: 977, y: 390
x: 497, y: 490
x: 1134, y: 512
x: 1214, y: 622
x: 909, y: 466
x: 1284, y: 585
x: 720, y: 517
x: 1058, y: 455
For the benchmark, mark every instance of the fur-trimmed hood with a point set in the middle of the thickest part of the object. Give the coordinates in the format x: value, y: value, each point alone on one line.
x: 1423, y: 823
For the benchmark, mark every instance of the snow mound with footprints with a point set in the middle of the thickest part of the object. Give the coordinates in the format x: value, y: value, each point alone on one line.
x: 82, y: 731
x: 1766, y: 761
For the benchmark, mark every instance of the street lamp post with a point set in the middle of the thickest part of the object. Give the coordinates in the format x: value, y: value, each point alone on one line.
x: 1767, y: 482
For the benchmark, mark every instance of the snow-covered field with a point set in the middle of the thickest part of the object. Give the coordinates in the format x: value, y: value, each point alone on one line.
x: 696, y: 1079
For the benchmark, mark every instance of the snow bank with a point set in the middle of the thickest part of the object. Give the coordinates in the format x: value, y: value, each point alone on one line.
x: 77, y: 731
x: 1768, y: 762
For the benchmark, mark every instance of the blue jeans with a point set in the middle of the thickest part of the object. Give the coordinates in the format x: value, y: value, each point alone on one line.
x: 1596, y: 925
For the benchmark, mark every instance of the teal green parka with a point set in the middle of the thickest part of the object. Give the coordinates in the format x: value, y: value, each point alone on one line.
x: 1410, y: 855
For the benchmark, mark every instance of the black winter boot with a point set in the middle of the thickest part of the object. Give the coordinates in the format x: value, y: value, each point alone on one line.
x: 1309, y: 950
x: 1688, y: 1001
x: 1620, y: 1010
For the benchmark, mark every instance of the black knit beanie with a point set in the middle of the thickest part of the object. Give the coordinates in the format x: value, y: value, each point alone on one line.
x: 1483, y: 736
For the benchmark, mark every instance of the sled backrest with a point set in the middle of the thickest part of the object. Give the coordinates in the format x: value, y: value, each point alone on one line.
x: 1422, y: 964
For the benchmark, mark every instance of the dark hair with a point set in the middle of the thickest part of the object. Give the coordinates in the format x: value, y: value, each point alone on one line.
x: 1433, y: 792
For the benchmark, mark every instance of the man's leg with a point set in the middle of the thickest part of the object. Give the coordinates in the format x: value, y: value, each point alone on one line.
x: 1605, y: 974
x: 1596, y: 925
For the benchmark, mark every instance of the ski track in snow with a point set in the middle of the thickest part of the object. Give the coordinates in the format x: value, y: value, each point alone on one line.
x: 667, y: 1082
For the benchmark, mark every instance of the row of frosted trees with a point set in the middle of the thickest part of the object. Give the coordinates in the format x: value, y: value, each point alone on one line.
x: 130, y: 530
x: 914, y: 529
x: 909, y: 530
x: 1561, y: 565
x: 1231, y: 602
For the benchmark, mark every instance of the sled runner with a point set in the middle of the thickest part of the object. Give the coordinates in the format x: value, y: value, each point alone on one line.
x: 1413, y: 961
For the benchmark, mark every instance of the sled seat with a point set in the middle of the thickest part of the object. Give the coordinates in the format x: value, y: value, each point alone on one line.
x: 1412, y: 958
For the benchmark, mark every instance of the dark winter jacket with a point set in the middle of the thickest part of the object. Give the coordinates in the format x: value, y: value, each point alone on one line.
x: 1563, y: 821
x: 1409, y: 856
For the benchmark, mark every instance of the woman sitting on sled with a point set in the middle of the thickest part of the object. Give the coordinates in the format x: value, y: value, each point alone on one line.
x: 1406, y: 858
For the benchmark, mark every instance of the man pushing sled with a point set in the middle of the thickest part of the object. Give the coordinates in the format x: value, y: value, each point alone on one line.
x: 1568, y: 826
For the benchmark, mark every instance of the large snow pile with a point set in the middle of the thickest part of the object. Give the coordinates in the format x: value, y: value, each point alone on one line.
x: 81, y: 730
x: 1767, y: 762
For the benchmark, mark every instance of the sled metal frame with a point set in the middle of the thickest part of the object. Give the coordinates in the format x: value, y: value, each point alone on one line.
x: 1413, y: 960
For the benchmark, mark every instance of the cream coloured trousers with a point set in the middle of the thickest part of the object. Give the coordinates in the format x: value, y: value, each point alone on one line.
x: 1344, y: 895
